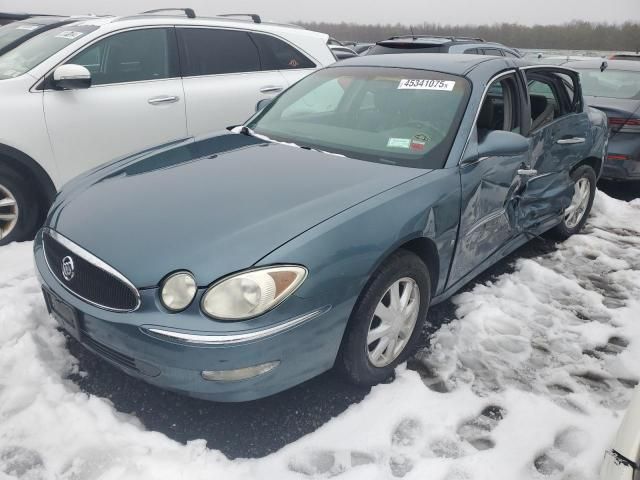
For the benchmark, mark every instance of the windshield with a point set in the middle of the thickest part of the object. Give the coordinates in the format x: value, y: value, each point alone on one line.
x: 611, y: 83
x: 387, y: 115
x: 37, y: 49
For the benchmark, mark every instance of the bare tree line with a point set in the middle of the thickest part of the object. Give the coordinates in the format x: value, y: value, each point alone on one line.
x: 576, y: 35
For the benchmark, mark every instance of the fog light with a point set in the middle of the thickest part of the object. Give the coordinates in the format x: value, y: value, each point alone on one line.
x: 240, y: 373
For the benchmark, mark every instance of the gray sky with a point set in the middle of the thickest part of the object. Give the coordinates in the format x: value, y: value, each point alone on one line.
x: 366, y: 11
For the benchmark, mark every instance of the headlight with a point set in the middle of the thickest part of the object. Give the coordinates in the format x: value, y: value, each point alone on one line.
x: 252, y: 293
x: 178, y: 291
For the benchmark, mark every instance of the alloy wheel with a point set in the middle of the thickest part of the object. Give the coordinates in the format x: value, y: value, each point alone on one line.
x: 579, y: 203
x: 393, y: 322
x: 8, y: 212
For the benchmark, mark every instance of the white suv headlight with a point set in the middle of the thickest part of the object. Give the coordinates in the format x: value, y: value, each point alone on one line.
x: 177, y: 291
x: 252, y: 293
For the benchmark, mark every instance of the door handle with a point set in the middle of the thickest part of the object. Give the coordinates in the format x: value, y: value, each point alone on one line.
x: 163, y: 99
x: 570, y: 141
x: 524, y: 172
x: 271, y: 89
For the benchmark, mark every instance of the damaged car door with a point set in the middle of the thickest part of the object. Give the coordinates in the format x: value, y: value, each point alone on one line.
x: 560, y: 134
x: 491, y: 176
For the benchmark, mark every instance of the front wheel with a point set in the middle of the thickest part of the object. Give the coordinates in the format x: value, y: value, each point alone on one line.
x: 18, y: 211
x: 386, y: 322
x: 576, y: 214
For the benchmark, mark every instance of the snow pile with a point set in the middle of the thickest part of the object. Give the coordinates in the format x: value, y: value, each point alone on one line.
x: 529, y: 381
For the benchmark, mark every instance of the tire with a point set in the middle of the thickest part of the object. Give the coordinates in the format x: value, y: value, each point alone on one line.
x: 566, y: 228
x: 355, y: 357
x: 19, y: 210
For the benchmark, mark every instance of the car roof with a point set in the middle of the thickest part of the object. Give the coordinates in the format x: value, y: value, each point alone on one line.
x: 454, y: 63
x: 45, y: 20
x: 629, y: 65
x: 241, y: 22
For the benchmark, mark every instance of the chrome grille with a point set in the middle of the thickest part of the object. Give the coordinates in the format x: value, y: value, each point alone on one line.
x: 91, y: 280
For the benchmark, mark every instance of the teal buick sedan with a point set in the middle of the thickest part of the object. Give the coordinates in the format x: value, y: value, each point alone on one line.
x: 319, y: 233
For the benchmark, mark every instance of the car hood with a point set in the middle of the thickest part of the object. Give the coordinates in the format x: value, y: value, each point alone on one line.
x: 213, y: 206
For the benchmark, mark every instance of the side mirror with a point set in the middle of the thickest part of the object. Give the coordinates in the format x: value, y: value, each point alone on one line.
x: 263, y: 103
x: 500, y: 143
x: 71, y: 77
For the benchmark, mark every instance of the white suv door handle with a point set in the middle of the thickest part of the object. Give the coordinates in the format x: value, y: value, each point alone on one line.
x: 271, y: 89
x: 163, y: 99
x: 570, y: 141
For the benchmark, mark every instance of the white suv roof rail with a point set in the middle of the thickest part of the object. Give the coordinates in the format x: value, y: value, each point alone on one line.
x: 230, y: 17
x: 189, y: 12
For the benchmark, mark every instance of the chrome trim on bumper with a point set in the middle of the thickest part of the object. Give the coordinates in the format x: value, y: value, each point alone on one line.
x: 234, y: 338
x: 96, y: 262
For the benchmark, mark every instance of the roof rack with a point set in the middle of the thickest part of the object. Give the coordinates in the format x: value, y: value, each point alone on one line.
x: 256, y: 18
x: 426, y: 35
x: 189, y: 12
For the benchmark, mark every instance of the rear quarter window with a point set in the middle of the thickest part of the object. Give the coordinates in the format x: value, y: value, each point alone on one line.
x: 276, y: 54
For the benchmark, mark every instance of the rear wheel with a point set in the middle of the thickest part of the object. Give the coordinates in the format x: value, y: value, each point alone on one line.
x: 576, y: 214
x: 385, y: 325
x: 18, y: 210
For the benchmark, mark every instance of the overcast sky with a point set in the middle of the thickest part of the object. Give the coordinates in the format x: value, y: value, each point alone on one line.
x: 365, y: 11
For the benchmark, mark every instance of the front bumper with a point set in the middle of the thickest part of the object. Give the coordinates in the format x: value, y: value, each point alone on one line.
x: 145, y: 343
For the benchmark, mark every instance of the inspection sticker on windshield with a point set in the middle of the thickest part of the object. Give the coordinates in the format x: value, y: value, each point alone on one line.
x: 399, y: 143
x: 422, y: 84
x: 69, y: 34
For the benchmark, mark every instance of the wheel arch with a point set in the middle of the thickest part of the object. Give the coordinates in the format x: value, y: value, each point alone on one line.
x: 425, y: 248
x: 29, y: 168
x: 593, y: 162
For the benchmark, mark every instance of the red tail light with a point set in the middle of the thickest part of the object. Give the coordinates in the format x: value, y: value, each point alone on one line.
x: 626, y: 125
x: 614, y: 156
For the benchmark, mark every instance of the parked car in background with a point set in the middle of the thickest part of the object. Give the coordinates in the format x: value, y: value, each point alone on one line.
x: 341, y: 52
x: 625, y: 56
x: 622, y: 461
x: 6, y: 17
x: 361, y: 48
x: 18, y: 32
x: 81, y: 94
x: 321, y: 231
x: 613, y: 86
x: 561, y: 59
x: 436, y: 44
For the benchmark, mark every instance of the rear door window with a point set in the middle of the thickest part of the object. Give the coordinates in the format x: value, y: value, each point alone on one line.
x: 132, y: 56
x: 215, y: 51
x: 275, y: 54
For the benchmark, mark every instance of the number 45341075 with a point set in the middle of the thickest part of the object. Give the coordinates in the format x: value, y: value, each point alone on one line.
x: 426, y: 84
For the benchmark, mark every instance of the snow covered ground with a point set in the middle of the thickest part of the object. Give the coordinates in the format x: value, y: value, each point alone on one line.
x: 529, y: 381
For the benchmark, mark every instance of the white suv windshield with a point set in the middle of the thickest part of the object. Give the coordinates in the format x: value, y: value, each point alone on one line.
x: 34, y: 51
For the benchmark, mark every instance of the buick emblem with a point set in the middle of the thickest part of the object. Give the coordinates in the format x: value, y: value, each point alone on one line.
x: 68, y: 268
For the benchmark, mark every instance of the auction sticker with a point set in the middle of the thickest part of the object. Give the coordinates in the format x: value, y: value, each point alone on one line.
x: 399, y: 143
x: 69, y: 34
x: 423, y: 84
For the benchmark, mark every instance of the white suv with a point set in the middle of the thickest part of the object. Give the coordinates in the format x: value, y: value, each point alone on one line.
x: 90, y: 91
